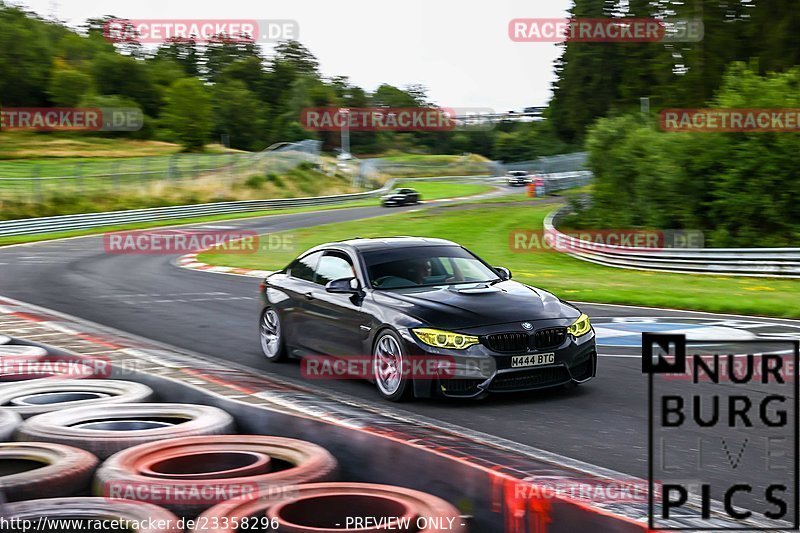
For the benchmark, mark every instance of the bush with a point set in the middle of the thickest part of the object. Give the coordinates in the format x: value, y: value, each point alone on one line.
x: 741, y: 188
x: 255, y: 182
x: 188, y: 113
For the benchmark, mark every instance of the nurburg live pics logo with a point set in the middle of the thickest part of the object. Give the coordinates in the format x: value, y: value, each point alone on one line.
x: 722, y: 446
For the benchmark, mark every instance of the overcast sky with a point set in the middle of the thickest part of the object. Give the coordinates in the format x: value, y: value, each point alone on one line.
x: 460, y: 52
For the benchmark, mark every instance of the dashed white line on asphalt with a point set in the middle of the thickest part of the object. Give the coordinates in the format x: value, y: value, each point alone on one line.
x: 217, y: 227
x: 162, y: 295
x: 186, y: 300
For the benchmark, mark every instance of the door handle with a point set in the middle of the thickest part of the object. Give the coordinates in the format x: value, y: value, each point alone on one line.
x: 309, y: 296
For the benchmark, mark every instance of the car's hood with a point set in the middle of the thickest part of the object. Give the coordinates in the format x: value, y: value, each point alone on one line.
x: 471, y: 305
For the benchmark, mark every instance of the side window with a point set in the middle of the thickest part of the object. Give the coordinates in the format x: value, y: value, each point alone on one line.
x: 334, y: 265
x: 469, y: 272
x: 303, y: 268
x: 446, y: 266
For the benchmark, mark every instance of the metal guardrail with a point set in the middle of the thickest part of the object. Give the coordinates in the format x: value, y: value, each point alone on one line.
x: 755, y: 262
x: 375, y: 169
x: 305, y: 149
x: 551, y: 164
x: 565, y: 180
x: 33, y: 226
x: 559, y: 181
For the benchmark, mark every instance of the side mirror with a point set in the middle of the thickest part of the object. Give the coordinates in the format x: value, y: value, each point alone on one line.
x: 503, y: 272
x: 343, y: 286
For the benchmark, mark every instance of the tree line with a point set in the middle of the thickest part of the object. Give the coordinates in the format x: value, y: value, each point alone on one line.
x: 741, y: 188
x: 598, y: 79
x: 192, y: 93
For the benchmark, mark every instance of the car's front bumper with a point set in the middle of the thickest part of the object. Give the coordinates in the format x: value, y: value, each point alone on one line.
x: 477, y: 371
x: 389, y: 202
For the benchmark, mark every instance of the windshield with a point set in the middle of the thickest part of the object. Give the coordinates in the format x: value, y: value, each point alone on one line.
x: 424, y: 266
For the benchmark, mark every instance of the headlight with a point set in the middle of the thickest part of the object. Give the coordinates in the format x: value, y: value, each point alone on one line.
x: 580, y: 327
x: 445, y: 339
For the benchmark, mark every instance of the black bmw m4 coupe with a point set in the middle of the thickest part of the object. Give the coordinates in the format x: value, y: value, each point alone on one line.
x: 428, y: 316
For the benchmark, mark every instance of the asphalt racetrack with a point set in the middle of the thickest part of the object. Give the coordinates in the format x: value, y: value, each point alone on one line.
x: 603, y: 422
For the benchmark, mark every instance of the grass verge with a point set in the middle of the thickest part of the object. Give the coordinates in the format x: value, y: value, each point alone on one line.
x: 485, y: 230
x: 428, y: 190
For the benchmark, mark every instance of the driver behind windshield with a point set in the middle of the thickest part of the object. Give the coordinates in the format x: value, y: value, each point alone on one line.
x: 425, y: 266
x: 419, y: 271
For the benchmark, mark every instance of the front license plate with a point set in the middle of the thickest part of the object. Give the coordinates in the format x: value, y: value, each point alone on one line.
x: 536, y: 359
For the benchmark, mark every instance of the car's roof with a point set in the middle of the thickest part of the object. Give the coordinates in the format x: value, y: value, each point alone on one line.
x: 382, y: 243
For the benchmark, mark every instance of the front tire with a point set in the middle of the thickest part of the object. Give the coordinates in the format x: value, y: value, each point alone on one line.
x: 388, y: 364
x: 270, y: 335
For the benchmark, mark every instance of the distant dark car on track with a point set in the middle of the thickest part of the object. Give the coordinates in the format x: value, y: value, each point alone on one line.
x: 518, y: 177
x: 404, y: 196
x: 400, y: 299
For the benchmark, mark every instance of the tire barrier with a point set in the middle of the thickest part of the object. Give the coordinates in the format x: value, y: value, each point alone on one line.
x: 191, y: 474
x: 44, y: 470
x: 46, y: 371
x: 9, y: 421
x: 107, y: 429
x: 151, y: 518
x: 25, y: 362
x: 19, y: 362
x: 14, y: 353
x: 332, y: 507
x: 48, y: 368
x: 44, y: 396
x: 273, y: 473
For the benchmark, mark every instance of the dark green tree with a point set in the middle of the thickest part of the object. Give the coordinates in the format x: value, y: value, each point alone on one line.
x: 188, y: 113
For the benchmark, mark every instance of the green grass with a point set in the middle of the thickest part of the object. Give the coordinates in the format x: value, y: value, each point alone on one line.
x: 29, y: 154
x: 44, y: 145
x: 420, y: 165
x: 426, y: 159
x: 435, y: 190
x: 486, y: 230
x: 429, y: 190
x: 301, y: 181
x: 143, y: 166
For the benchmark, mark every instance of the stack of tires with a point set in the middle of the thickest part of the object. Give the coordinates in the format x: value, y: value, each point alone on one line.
x: 21, y: 363
x: 101, y: 450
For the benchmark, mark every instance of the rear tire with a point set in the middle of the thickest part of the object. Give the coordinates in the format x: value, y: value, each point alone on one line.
x: 271, y: 336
